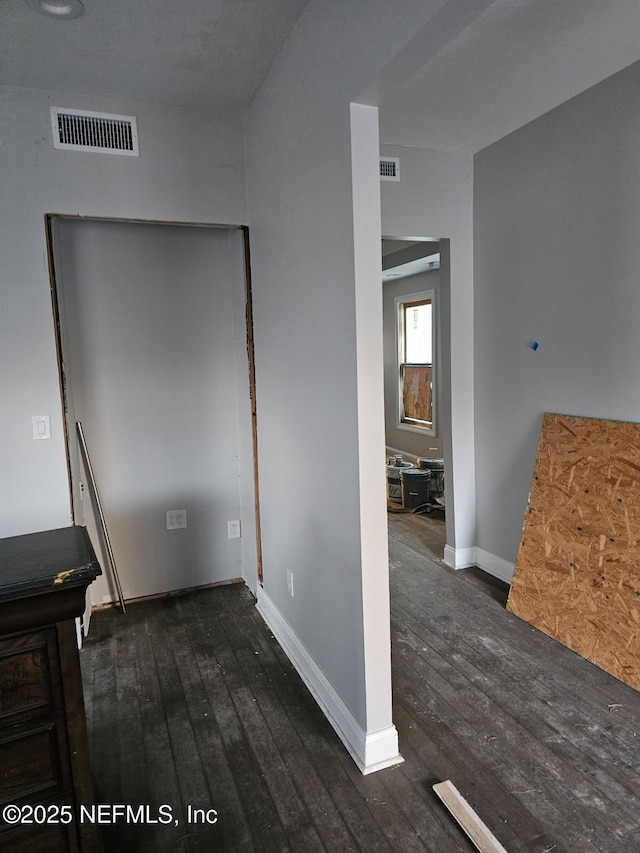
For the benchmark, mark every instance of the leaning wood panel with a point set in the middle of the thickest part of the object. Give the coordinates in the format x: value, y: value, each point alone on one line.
x: 577, y: 574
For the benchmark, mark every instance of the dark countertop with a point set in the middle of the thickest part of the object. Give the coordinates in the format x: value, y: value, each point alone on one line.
x: 37, y: 561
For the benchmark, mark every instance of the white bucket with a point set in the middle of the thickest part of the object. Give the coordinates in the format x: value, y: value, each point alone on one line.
x: 394, y: 484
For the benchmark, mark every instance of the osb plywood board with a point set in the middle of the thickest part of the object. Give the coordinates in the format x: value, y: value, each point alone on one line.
x: 417, y: 393
x: 577, y: 575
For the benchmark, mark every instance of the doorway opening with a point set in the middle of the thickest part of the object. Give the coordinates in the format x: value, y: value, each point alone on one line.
x: 155, y: 356
x: 416, y: 394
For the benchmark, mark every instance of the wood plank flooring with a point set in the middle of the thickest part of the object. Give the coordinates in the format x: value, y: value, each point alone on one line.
x: 191, y: 702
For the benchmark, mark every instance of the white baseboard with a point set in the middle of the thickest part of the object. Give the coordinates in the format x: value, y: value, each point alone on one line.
x: 371, y: 751
x: 495, y: 566
x: 464, y: 558
x: 459, y: 558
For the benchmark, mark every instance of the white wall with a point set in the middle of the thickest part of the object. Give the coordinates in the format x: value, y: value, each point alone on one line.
x: 557, y: 260
x: 306, y: 198
x: 152, y: 348
x: 434, y: 198
x: 415, y: 443
x: 190, y: 168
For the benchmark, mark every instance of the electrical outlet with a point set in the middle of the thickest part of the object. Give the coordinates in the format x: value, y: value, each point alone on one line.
x: 290, y: 582
x: 233, y: 529
x: 176, y: 519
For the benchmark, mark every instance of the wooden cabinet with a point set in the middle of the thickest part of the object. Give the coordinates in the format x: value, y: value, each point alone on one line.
x: 44, y: 758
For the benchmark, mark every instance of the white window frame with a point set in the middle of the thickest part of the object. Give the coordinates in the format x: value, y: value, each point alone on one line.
x: 400, y: 302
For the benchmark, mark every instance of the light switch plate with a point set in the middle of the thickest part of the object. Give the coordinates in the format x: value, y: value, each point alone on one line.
x: 41, y: 426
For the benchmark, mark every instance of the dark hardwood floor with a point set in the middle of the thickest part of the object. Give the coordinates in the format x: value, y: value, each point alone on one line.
x: 190, y: 701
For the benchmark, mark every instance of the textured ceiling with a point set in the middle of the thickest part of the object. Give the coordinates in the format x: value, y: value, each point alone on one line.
x: 196, y: 53
x: 516, y: 61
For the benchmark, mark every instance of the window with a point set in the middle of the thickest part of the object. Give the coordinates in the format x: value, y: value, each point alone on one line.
x: 416, y: 361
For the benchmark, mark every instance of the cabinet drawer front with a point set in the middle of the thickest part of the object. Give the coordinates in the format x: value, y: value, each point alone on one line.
x: 28, y: 676
x: 30, y: 763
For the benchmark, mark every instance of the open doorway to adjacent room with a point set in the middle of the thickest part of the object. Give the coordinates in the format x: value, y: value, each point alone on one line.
x: 415, y: 311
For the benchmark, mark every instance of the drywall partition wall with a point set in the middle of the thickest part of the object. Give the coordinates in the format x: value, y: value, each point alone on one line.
x: 410, y: 441
x: 152, y: 347
x: 548, y: 198
x: 305, y: 202
x: 381, y: 738
x: 190, y: 169
x: 434, y: 198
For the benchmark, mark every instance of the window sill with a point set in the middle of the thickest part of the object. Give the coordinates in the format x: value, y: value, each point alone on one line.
x: 422, y: 430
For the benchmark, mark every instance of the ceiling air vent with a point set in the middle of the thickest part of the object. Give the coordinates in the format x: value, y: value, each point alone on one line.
x: 389, y: 169
x: 79, y: 130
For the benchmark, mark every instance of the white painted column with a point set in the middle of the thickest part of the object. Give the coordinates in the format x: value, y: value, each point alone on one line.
x: 381, y: 737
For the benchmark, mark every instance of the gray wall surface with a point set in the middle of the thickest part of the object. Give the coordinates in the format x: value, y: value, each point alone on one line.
x: 154, y: 339
x: 302, y: 220
x: 557, y: 260
x: 190, y: 168
x: 418, y: 444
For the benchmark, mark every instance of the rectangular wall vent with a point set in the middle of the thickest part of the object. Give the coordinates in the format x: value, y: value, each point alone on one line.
x: 79, y: 130
x: 389, y: 169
